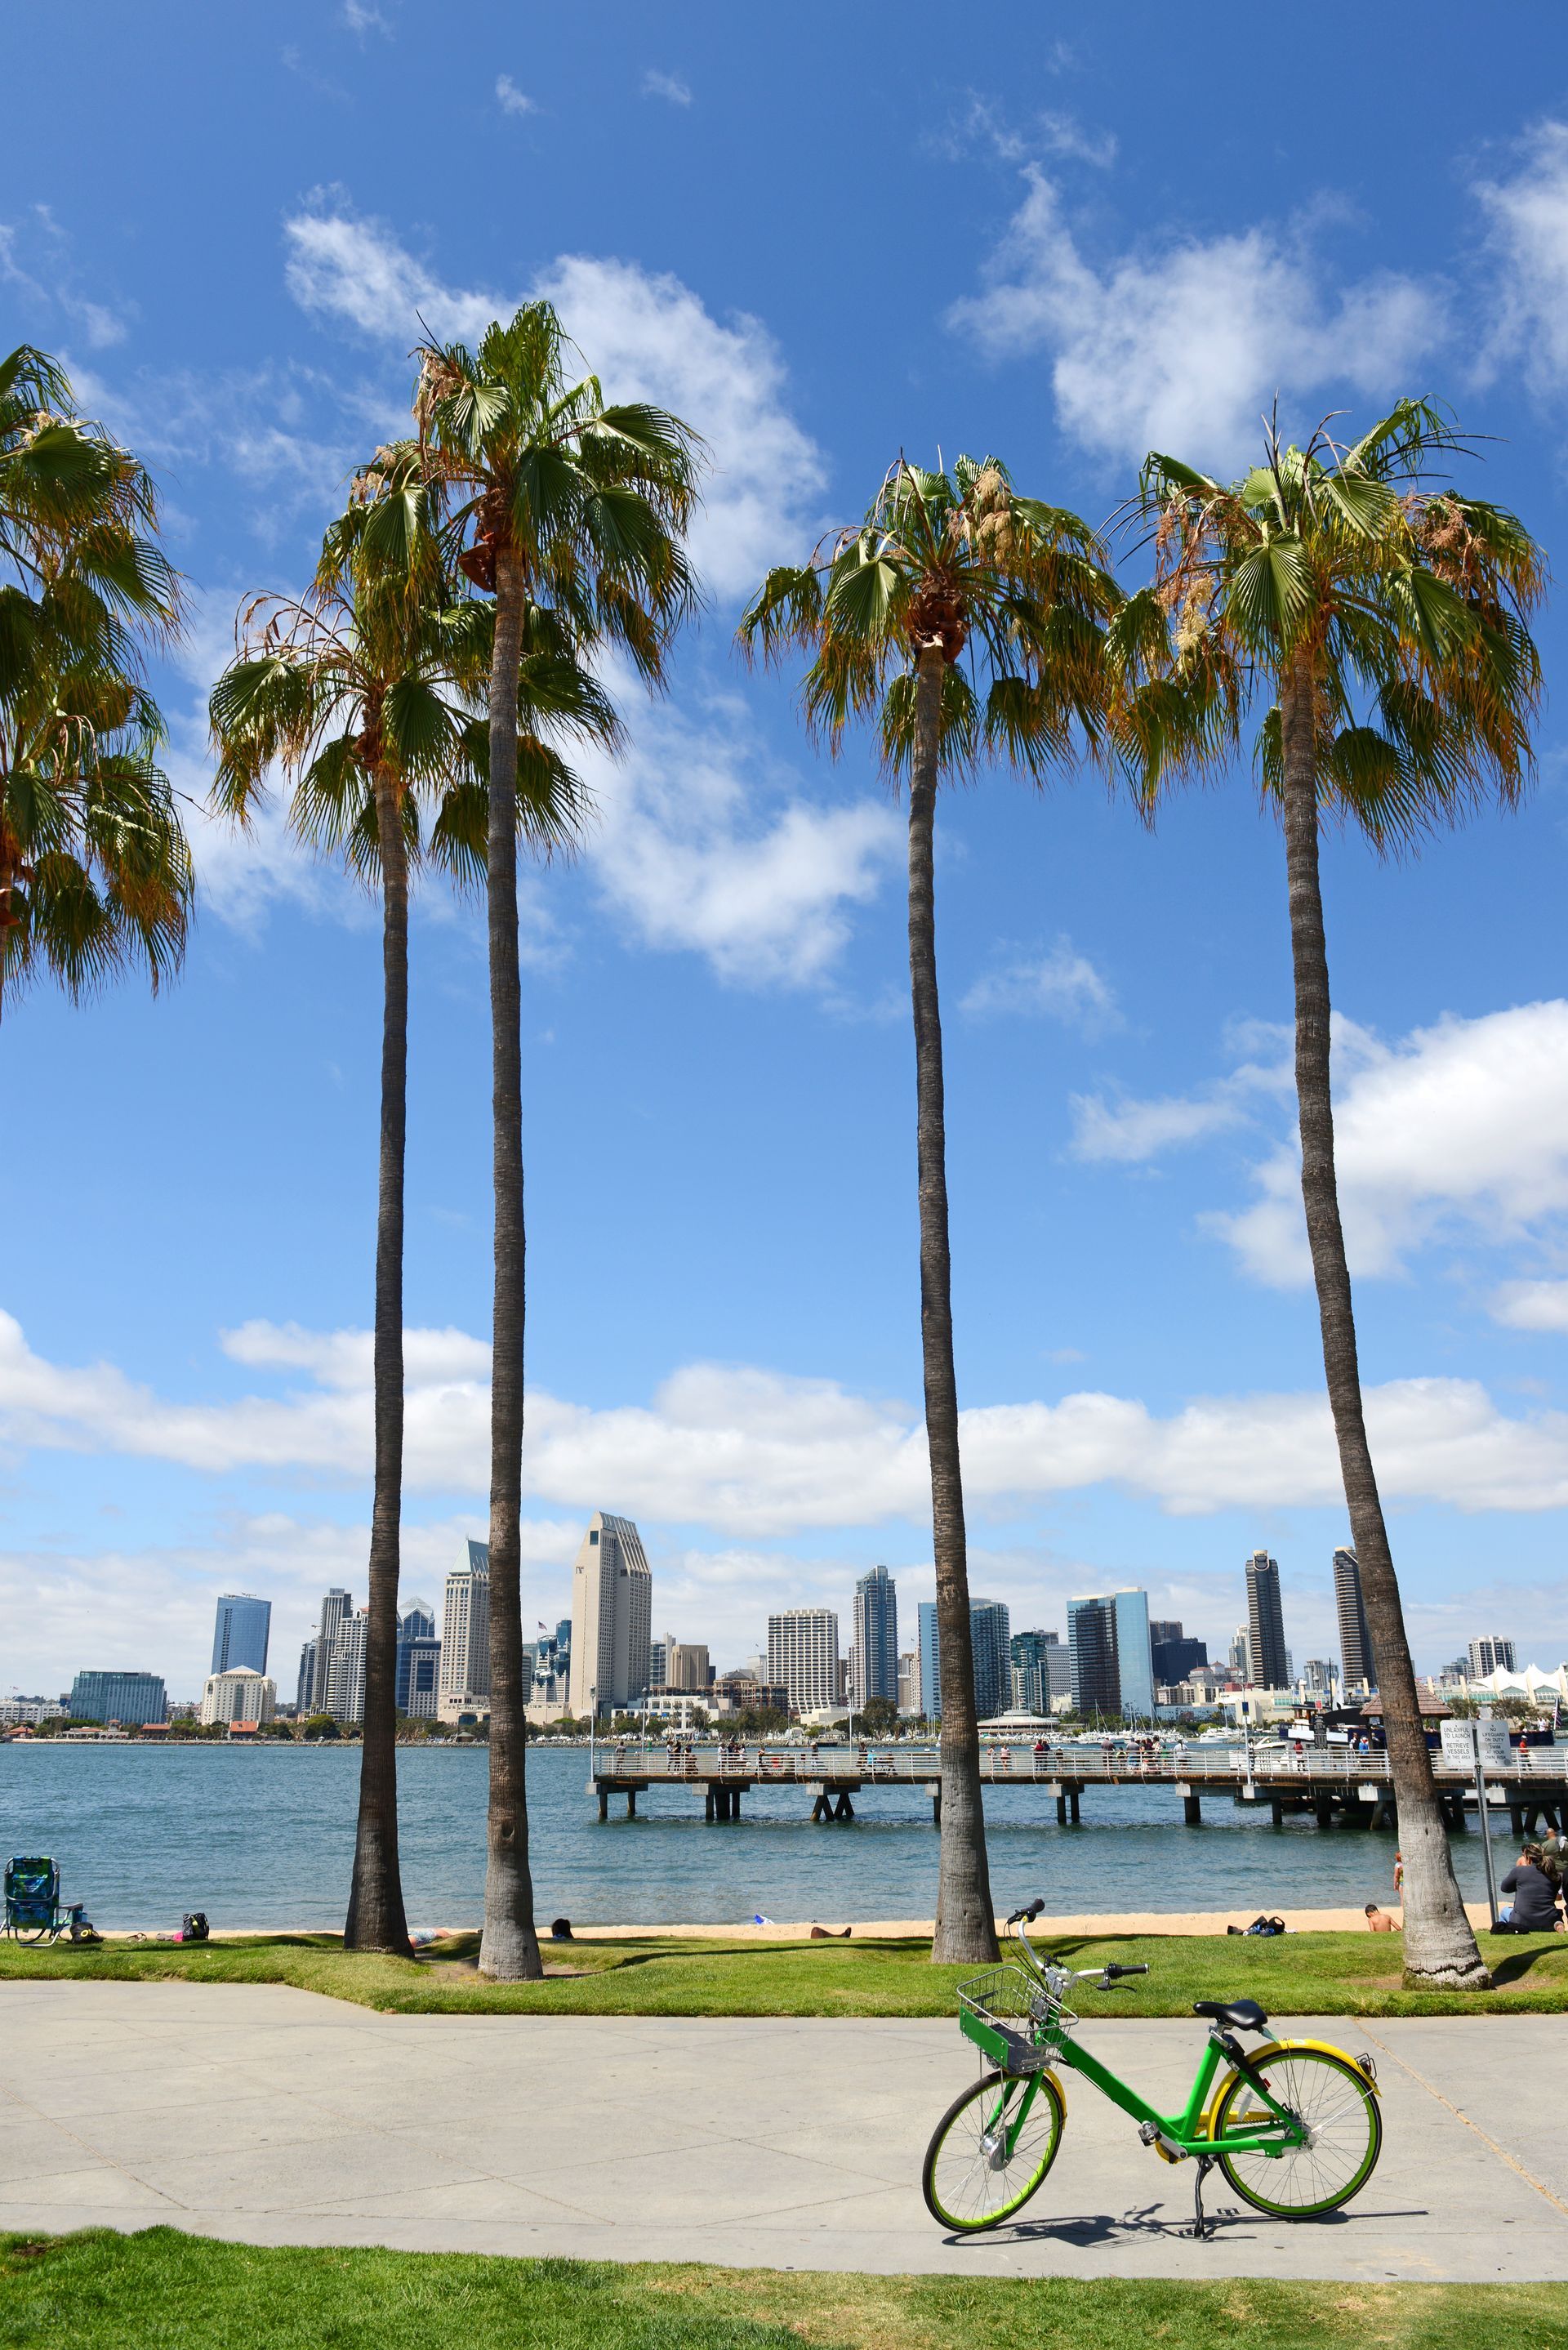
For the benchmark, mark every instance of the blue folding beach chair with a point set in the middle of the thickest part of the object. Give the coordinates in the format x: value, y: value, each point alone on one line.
x: 34, y: 1910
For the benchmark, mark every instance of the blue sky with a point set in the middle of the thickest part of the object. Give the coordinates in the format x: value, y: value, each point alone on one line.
x: 823, y: 238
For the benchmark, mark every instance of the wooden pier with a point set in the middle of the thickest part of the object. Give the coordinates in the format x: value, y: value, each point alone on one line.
x: 1339, y: 1788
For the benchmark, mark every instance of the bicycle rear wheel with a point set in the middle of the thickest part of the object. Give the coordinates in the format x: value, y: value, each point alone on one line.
x: 1335, y: 2101
x: 983, y: 2162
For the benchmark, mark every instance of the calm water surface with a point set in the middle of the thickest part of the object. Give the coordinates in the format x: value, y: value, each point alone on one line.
x: 264, y: 1836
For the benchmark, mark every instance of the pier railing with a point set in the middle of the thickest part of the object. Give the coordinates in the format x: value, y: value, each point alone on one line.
x: 1210, y: 1765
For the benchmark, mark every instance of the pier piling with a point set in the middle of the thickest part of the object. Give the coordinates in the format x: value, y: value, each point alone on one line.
x: 1193, y: 1811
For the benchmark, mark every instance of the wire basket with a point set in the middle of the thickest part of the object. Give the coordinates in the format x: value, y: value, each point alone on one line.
x: 1008, y: 1998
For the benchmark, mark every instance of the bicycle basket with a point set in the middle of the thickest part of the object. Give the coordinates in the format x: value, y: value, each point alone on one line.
x: 999, y: 2010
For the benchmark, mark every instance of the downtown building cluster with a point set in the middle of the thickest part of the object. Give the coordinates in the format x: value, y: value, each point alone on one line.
x: 603, y: 1660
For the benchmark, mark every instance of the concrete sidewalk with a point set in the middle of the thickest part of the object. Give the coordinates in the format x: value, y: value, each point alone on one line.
x: 276, y: 2117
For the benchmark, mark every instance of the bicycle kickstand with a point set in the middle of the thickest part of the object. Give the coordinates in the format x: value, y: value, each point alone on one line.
x: 1202, y: 2229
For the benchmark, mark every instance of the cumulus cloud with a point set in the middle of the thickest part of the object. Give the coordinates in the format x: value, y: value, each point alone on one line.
x: 1061, y: 983
x: 1527, y: 215
x: 1458, y: 1131
x: 753, y: 1455
x: 1532, y: 1305
x: 648, y: 336
x: 702, y: 843
x: 1179, y: 345
x: 1461, y: 1130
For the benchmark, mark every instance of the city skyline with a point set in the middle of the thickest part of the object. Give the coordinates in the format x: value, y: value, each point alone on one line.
x: 422, y: 1622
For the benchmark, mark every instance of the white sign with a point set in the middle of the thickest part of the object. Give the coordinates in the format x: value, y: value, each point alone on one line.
x: 1460, y: 1740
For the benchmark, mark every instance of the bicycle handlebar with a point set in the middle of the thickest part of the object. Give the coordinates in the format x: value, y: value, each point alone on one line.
x: 1036, y: 1908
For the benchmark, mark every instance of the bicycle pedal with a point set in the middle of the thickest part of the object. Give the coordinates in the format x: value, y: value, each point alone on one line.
x: 1150, y: 2136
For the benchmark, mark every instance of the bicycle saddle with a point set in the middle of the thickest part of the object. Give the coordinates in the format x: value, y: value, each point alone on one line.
x: 1240, y: 2014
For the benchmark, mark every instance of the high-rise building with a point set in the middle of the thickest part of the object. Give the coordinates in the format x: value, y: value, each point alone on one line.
x: 1175, y: 1656
x: 1240, y: 1657
x: 930, y: 1660
x: 1042, y: 1670
x: 991, y: 1641
x: 803, y: 1653
x: 1493, y: 1655
x: 1360, y: 1669
x: 612, y: 1617
x: 910, y: 1681
x: 1320, y: 1678
x: 241, y: 1633
x: 119, y: 1697
x: 1112, y: 1661
x: 686, y: 1664
x: 658, y: 1661
x: 337, y: 1606
x: 1266, y: 1623
x: 991, y: 1649
x: 240, y: 1694
x: 304, y: 1692
x: 465, y: 1630
x: 419, y: 1678
x: 1092, y: 1649
x: 345, y: 1669
x: 417, y: 1621
x: 1162, y: 1628
x: 875, y: 1641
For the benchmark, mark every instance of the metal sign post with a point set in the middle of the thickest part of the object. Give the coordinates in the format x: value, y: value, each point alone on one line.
x: 1486, y: 1835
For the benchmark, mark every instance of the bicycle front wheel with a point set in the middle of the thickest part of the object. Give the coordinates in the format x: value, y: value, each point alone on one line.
x: 990, y: 2150
x: 1336, y: 2106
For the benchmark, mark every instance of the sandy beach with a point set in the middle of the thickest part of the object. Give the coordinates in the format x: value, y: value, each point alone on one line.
x: 1043, y: 1930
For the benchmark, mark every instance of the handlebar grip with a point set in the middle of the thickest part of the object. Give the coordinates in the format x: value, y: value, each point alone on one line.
x: 1022, y: 1917
x: 1115, y: 1974
x: 1036, y: 1908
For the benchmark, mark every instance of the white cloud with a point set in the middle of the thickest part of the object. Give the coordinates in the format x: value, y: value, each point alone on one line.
x: 701, y: 843
x: 1180, y: 346
x: 512, y: 99
x: 667, y: 86
x: 1528, y: 217
x: 1457, y: 1133
x: 361, y: 17
x: 647, y: 336
x: 1532, y: 1305
x: 1132, y: 1131
x: 1049, y: 132
x: 756, y: 1455
x: 1061, y: 983
x: 1461, y: 1130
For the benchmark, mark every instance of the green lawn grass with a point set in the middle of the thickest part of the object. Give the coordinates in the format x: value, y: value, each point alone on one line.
x: 1299, y: 1974
x: 99, y: 2290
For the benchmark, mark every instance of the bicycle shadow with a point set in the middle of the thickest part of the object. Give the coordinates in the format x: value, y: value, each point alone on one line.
x: 1154, y: 2222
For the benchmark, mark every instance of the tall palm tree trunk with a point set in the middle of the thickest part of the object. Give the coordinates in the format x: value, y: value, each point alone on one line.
x: 509, y: 1948
x: 1440, y: 1946
x: 966, y: 1923
x: 376, y: 1921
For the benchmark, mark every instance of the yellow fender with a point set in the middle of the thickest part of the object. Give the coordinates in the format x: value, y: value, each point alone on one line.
x: 1276, y: 2048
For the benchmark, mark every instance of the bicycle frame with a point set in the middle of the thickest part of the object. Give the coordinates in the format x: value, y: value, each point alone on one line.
x: 1187, y: 2133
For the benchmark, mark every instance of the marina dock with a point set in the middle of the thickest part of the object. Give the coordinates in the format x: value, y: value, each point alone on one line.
x: 1338, y: 1787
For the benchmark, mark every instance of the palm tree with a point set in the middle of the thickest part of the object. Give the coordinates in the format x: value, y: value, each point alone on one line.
x: 1379, y: 620
x: 95, y: 870
x: 367, y: 692
x: 941, y: 564
x: 572, y: 514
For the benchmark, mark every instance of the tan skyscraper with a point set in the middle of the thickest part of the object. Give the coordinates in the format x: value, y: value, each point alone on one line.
x: 465, y: 1632
x: 612, y: 1617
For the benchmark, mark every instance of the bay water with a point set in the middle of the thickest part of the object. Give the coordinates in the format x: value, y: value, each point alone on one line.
x: 262, y: 1836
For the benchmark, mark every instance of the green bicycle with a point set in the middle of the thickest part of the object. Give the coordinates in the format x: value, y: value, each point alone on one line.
x: 1293, y: 2126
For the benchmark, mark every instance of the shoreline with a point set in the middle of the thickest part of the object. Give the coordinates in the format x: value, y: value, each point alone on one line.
x: 1089, y: 1924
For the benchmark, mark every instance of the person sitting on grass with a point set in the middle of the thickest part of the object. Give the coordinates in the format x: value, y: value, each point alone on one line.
x: 1534, y: 1909
x: 1378, y: 1921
